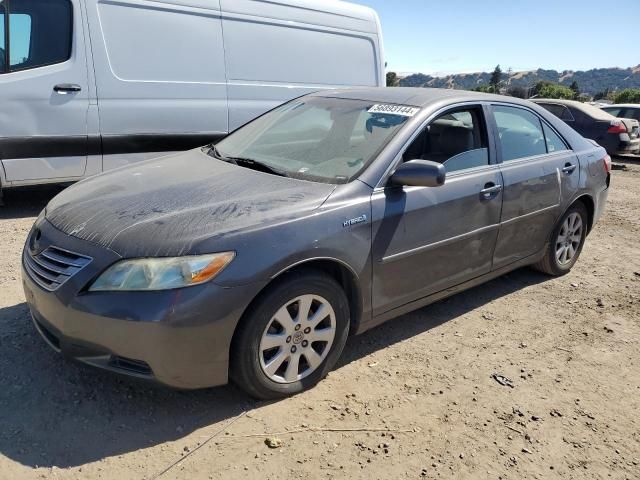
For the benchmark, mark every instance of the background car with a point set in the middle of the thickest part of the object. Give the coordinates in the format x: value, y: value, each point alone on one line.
x: 629, y: 110
x: 255, y: 259
x: 617, y: 135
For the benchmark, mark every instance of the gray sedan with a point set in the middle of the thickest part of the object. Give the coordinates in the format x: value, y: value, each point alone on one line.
x: 256, y: 258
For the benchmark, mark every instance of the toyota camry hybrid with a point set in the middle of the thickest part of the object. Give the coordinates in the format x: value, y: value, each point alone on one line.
x: 254, y: 259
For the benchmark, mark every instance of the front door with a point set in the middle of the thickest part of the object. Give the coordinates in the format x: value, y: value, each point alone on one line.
x: 541, y: 175
x: 428, y: 239
x: 43, y: 90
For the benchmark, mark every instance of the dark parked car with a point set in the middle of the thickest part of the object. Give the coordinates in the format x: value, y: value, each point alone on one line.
x: 617, y: 135
x: 331, y: 214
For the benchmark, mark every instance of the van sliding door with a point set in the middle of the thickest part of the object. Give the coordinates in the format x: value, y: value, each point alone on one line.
x: 160, y: 76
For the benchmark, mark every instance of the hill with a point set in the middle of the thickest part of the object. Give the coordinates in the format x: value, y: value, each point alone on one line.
x: 589, y: 81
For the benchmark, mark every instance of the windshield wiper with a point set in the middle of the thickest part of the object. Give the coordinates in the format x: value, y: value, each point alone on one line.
x: 213, y: 151
x: 245, y: 162
x: 255, y: 165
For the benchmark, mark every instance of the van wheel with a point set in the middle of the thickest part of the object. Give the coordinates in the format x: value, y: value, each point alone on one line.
x: 292, y: 336
x: 566, y: 242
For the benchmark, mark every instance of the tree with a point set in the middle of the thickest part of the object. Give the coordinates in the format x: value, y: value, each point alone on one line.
x: 496, y: 79
x: 515, y: 91
x: 392, y: 79
x: 553, y: 90
x: 576, y: 89
x: 628, y: 95
x: 483, y: 89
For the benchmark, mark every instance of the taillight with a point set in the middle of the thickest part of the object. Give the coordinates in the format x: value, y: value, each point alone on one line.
x: 607, y: 164
x: 617, y: 126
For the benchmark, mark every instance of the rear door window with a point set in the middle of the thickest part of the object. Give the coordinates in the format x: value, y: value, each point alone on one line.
x: 40, y: 33
x: 520, y: 133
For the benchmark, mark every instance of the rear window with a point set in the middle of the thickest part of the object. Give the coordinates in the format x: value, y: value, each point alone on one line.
x: 560, y: 111
x: 613, y: 111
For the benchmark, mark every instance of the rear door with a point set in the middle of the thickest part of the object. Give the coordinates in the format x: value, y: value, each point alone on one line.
x: 541, y: 175
x: 428, y: 239
x: 44, y: 96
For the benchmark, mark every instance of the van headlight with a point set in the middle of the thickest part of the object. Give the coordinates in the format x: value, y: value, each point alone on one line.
x: 161, y: 273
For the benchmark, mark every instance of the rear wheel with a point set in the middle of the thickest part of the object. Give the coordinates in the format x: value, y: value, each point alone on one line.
x: 292, y: 337
x: 566, y: 242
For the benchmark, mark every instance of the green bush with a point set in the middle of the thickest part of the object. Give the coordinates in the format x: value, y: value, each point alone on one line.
x: 552, y: 90
x: 629, y: 95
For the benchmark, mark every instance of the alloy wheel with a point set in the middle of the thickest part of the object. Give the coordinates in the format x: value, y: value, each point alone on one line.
x: 569, y: 239
x: 297, y: 339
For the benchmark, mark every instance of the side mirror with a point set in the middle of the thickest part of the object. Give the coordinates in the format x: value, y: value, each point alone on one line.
x: 419, y: 173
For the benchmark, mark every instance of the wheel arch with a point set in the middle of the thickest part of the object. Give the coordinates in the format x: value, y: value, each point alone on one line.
x: 340, y: 271
x: 589, y: 204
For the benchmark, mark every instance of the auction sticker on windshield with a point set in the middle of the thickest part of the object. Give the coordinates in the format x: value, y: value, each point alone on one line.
x: 402, y: 110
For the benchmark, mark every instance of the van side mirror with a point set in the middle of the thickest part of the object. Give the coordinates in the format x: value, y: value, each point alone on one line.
x: 419, y: 173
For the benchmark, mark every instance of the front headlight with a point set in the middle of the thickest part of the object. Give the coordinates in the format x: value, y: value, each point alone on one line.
x: 161, y: 273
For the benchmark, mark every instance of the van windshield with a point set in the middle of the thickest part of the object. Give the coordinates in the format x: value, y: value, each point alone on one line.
x: 330, y: 140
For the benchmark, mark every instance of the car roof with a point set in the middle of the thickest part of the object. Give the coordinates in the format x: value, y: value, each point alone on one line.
x: 590, y: 110
x: 623, y: 105
x: 416, y: 97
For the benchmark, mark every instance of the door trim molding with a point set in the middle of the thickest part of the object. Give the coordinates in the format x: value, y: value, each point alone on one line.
x: 441, y: 243
x: 82, y: 145
x: 530, y: 214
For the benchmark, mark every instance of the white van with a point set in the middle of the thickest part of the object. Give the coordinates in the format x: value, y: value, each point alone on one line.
x: 88, y: 85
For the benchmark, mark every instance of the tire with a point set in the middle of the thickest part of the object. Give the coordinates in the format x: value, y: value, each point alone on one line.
x: 554, y: 262
x: 274, y: 329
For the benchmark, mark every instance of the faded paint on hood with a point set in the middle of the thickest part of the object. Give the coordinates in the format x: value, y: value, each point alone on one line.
x: 165, y: 207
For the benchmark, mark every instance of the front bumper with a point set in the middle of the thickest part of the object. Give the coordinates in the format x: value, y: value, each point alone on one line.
x: 180, y: 338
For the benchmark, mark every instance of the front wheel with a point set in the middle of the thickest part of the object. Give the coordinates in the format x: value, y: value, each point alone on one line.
x: 292, y: 336
x: 566, y: 243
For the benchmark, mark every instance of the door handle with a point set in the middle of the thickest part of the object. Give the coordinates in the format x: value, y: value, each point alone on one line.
x: 66, y: 88
x: 490, y: 190
x: 568, y: 168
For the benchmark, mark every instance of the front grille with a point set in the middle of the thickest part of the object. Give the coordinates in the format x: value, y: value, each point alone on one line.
x: 52, y: 267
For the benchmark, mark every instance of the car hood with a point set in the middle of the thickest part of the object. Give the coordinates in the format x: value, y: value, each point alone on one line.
x: 167, y: 206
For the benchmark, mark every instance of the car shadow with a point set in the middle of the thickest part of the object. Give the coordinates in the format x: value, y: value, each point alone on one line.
x: 626, y: 159
x: 55, y: 412
x: 443, y: 311
x: 24, y: 202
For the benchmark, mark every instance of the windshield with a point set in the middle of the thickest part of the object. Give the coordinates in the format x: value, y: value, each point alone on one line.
x: 330, y: 140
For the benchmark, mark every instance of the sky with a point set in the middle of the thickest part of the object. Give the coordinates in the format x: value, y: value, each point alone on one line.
x: 457, y: 36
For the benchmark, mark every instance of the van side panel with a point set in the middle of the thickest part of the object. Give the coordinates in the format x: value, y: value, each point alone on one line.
x: 276, y: 52
x: 160, y: 76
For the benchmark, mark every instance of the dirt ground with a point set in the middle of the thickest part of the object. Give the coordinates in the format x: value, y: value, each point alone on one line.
x: 414, y: 398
